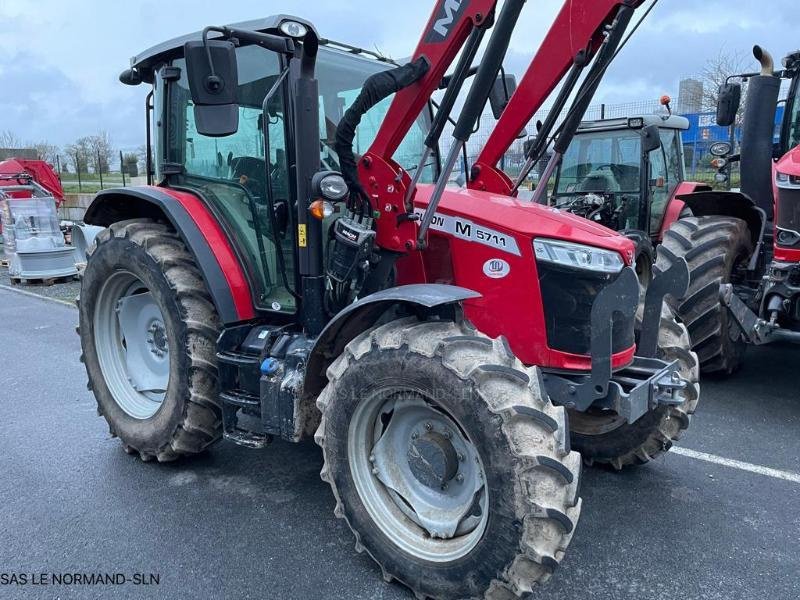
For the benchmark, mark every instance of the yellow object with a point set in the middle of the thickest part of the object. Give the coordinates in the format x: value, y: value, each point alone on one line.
x: 302, y: 239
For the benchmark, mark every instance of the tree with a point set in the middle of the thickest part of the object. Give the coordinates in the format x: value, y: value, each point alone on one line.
x: 101, y: 151
x: 78, y: 155
x: 46, y: 151
x: 130, y: 164
x: 9, y: 139
x: 716, y: 73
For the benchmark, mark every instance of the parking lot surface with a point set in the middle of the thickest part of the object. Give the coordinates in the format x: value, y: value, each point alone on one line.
x: 239, y: 523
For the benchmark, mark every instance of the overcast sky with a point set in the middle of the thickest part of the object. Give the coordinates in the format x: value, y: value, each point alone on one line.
x: 59, y: 59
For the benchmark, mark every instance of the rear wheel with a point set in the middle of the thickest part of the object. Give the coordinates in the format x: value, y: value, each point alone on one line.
x: 603, y: 437
x: 447, y: 461
x: 716, y: 249
x: 148, y: 332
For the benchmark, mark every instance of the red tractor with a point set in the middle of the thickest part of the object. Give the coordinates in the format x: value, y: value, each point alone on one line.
x: 291, y: 274
x: 743, y: 248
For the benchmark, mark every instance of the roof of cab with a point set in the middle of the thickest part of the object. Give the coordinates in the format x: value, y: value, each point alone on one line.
x: 662, y: 121
x: 163, y: 51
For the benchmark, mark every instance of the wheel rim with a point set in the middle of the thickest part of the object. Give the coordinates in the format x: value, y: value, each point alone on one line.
x: 595, y: 421
x: 132, y: 345
x: 418, y: 474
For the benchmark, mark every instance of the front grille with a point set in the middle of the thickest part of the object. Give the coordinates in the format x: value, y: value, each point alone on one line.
x: 787, y: 218
x: 568, y: 296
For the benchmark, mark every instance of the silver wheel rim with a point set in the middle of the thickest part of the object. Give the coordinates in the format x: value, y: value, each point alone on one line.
x: 132, y: 345
x: 418, y: 474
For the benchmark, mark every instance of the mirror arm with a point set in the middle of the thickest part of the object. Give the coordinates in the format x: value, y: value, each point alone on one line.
x: 267, y: 41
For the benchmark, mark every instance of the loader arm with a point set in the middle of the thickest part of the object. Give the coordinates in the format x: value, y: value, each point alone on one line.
x: 450, y: 26
x: 574, y: 38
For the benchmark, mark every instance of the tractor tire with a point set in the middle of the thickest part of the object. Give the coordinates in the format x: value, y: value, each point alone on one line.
x: 471, y: 390
x: 604, y: 438
x: 148, y: 331
x: 713, y: 247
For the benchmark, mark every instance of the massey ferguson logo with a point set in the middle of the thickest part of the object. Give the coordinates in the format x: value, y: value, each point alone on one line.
x: 449, y: 13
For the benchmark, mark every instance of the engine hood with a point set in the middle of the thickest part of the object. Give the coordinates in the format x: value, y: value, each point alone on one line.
x: 525, y: 218
x: 790, y: 163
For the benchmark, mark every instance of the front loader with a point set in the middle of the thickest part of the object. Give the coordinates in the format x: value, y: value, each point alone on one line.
x: 300, y: 268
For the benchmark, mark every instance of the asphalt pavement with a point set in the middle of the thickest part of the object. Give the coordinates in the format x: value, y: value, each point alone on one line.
x: 239, y: 523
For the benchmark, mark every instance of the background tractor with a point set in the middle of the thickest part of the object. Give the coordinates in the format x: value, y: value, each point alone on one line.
x: 743, y: 248
x: 627, y: 174
x: 290, y: 273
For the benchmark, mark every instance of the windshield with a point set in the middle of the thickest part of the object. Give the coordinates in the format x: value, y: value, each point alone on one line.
x: 601, y: 162
x: 235, y: 173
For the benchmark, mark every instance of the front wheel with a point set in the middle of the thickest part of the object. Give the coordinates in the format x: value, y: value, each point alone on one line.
x: 447, y: 461
x: 148, y: 332
x: 603, y: 436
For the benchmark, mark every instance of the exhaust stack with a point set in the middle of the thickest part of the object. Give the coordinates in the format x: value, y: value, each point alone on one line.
x: 758, y: 131
x: 766, y: 60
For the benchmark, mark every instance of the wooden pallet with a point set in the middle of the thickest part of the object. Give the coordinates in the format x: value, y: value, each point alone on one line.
x: 46, y: 281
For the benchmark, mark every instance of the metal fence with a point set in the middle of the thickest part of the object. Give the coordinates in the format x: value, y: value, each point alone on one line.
x: 697, y: 140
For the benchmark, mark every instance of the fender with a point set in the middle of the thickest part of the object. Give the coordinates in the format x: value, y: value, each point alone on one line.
x: 676, y: 209
x: 730, y: 204
x: 365, y: 313
x: 200, y: 231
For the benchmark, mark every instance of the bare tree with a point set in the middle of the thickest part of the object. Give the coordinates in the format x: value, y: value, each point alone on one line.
x: 716, y: 73
x: 9, y: 139
x: 78, y: 155
x: 45, y: 151
x: 101, y: 151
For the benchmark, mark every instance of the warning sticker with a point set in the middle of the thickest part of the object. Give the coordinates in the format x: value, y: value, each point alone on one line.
x: 302, y: 239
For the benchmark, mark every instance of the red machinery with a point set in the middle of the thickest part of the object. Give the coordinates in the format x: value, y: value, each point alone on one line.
x: 23, y: 171
x: 587, y: 30
x: 234, y: 300
x: 743, y: 248
x: 23, y: 178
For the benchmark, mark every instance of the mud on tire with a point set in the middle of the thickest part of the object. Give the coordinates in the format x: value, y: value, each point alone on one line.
x: 605, y: 439
x: 713, y: 247
x: 189, y: 417
x: 532, y: 476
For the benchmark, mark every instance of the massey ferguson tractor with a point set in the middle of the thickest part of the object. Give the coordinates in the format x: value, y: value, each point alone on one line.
x: 743, y: 248
x: 300, y: 268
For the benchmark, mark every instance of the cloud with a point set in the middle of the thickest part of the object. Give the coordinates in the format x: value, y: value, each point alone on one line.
x: 59, y: 63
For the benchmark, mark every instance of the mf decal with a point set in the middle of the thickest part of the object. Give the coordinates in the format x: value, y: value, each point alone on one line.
x: 467, y: 230
x: 496, y: 268
x: 449, y: 13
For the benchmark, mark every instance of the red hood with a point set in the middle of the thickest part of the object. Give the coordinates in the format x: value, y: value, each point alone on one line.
x: 524, y: 217
x: 790, y: 163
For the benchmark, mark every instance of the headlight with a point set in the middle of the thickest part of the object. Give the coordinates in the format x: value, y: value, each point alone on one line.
x: 333, y: 187
x: 784, y: 180
x: 578, y: 256
x: 330, y: 185
x: 294, y: 29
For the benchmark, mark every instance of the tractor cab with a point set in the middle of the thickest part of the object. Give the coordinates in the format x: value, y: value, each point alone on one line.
x: 622, y: 173
x: 246, y: 175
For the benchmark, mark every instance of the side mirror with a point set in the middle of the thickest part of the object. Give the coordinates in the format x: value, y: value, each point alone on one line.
x: 728, y: 101
x: 213, y: 82
x: 651, y: 139
x: 502, y: 90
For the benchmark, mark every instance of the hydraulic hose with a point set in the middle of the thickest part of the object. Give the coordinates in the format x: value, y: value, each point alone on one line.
x: 376, y: 88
